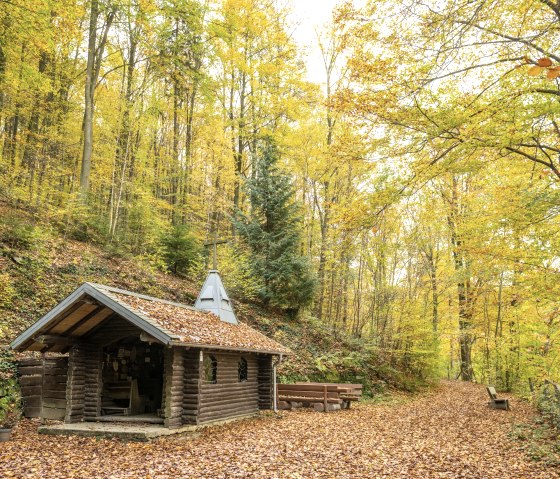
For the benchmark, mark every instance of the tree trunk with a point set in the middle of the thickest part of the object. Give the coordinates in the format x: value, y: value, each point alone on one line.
x: 88, y: 98
x: 93, y: 66
x: 464, y: 294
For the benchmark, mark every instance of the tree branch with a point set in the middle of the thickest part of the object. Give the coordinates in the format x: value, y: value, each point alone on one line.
x: 534, y: 159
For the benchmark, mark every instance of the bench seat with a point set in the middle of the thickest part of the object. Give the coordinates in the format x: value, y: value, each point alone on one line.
x: 495, y: 401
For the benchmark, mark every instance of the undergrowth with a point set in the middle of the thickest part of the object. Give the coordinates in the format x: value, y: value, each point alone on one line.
x: 539, y: 440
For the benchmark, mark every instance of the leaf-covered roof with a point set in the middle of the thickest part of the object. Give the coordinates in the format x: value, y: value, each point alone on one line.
x: 195, y: 327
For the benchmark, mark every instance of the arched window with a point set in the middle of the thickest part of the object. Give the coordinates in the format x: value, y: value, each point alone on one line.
x: 210, y: 369
x: 242, y: 370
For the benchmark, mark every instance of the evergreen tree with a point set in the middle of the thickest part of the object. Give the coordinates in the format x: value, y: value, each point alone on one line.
x: 181, y: 250
x: 272, y: 231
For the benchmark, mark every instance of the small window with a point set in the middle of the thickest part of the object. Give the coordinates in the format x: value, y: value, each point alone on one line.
x: 210, y: 369
x: 242, y: 370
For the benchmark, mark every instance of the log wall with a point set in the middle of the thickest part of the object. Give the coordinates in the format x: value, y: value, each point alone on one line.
x: 30, y: 373
x: 173, y: 375
x: 228, y: 397
x: 69, y: 387
x: 93, y: 359
x: 191, y: 386
x: 43, y: 387
x: 265, y: 379
x: 75, y: 387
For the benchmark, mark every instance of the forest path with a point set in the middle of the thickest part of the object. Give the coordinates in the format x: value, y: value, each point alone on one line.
x: 446, y: 433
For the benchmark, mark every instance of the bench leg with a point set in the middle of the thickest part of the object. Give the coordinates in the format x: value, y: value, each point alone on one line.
x: 503, y: 405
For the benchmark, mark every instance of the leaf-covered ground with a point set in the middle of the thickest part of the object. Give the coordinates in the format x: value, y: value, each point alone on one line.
x: 449, y: 433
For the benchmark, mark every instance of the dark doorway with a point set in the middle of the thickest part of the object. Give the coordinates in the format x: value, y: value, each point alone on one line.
x: 132, y: 378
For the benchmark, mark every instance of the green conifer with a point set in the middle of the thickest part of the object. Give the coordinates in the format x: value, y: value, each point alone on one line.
x: 272, y: 231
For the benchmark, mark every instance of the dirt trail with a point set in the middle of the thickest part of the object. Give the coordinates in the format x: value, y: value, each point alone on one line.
x: 449, y: 433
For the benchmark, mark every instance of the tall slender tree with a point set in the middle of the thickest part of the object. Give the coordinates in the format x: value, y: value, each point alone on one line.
x: 272, y: 231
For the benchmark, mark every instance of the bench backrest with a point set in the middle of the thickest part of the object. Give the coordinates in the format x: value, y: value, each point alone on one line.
x: 492, y: 392
x: 356, y: 388
x: 306, y: 387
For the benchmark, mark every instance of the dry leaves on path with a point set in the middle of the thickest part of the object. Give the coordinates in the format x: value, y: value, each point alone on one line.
x: 448, y: 433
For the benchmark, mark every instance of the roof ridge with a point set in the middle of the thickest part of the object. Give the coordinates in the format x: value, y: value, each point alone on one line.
x: 125, y: 292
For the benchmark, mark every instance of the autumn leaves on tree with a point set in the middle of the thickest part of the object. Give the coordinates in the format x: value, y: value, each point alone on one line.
x: 409, y: 202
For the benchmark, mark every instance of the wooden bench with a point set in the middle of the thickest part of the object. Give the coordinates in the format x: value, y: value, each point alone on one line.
x: 495, y: 402
x: 320, y: 393
x: 346, y: 392
x: 309, y: 393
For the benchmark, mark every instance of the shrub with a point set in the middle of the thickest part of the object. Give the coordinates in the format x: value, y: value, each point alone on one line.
x: 18, y: 234
x: 10, y: 397
x: 7, y: 290
x: 548, y: 402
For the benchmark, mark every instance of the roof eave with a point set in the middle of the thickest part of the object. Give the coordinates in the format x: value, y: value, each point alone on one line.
x: 88, y: 289
x: 30, y: 332
x: 229, y: 348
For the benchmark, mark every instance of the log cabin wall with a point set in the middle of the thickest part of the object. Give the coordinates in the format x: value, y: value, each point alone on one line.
x: 55, y: 375
x: 191, y: 386
x: 265, y: 381
x: 75, y: 387
x: 92, y: 392
x: 43, y: 387
x: 30, y: 372
x: 228, y: 397
x: 173, y: 375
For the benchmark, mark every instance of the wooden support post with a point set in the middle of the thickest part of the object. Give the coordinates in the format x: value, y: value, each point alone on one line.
x: 75, y: 385
x: 173, y: 384
x: 325, y: 396
x: 199, y: 384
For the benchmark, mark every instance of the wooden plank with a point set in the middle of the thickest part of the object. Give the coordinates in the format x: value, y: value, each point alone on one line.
x: 306, y: 387
x: 55, y: 394
x: 50, y: 413
x: 225, y: 400
x: 54, y: 403
x: 31, y: 380
x: 30, y: 370
x: 30, y: 362
x: 173, y: 374
x: 69, y: 320
x: 310, y: 394
x: 31, y: 391
x: 32, y: 411
x: 61, y: 372
x: 308, y: 399
x: 32, y: 401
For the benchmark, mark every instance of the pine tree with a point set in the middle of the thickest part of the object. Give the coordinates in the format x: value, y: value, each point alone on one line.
x: 272, y: 231
x: 181, y: 250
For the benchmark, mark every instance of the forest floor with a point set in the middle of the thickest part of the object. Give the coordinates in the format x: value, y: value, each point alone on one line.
x: 445, y: 433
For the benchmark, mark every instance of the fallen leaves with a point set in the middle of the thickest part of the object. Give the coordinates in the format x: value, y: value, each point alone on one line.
x: 200, y: 327
x: 449, y: 433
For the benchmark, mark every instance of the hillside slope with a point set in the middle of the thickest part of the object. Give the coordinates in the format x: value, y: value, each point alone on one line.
x: 38, y: 268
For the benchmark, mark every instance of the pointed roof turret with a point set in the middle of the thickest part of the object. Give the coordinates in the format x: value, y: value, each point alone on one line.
x: 213, y: 298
